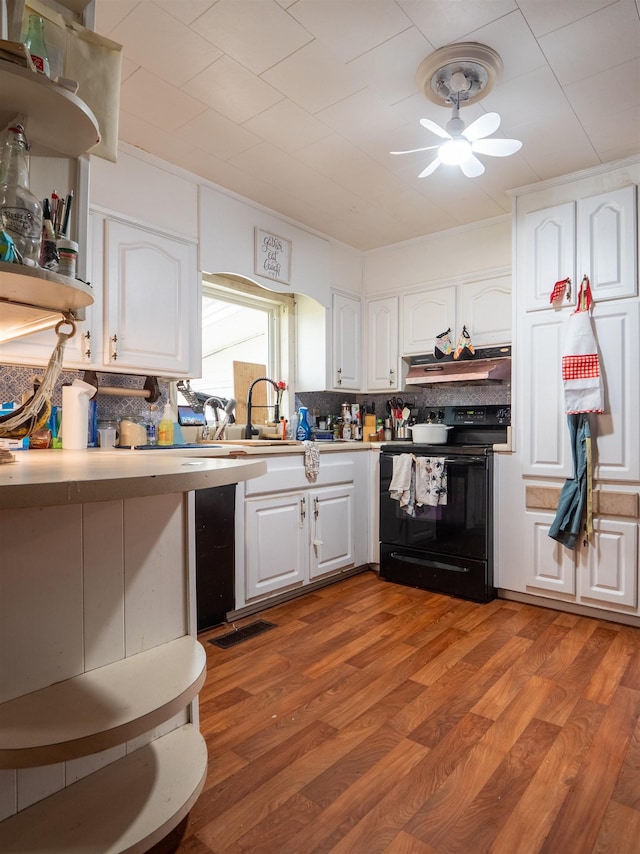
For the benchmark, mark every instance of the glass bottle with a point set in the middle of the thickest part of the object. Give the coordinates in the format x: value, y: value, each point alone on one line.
x: 36, y: 45
x: 20, y: 211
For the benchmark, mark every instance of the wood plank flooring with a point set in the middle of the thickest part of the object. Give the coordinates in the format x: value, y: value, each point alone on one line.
x: 379, y: 718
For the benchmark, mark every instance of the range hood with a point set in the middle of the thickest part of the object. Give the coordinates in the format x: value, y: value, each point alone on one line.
x: 491, y: 364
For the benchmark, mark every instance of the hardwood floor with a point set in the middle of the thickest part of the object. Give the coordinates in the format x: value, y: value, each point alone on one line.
x: 378, y: 718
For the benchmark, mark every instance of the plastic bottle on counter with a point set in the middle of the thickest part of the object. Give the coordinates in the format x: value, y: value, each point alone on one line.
x: 165, y: 429
x: 20, y: 210
x: 303, y: 431
x: 36, y: 45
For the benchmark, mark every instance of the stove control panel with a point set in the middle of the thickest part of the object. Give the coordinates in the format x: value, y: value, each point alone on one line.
x: 477, y: 415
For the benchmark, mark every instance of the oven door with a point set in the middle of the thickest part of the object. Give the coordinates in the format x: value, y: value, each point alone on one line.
x: 458, y: 528
x: 468, y: 579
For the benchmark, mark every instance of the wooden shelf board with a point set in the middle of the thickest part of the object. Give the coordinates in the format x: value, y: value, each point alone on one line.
x: 101, y: 708
x: 42, y: 289
x: 57, y: 121
x: 129, y: 805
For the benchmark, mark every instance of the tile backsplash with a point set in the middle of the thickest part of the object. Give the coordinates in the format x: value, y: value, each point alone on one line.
x: 477, y: 394
x: 17, y: 381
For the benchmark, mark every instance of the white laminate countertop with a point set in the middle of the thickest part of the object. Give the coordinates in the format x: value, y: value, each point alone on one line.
x: 54, y: 477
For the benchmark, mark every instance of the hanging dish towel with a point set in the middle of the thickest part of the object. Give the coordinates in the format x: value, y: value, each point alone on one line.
x: 580, y: 361
x: 575, y: 493
x: 431, y: 481
x: 400, y: 488
x: 311, y: 460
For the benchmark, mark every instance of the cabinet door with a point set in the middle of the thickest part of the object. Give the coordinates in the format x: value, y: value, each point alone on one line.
x: 382, y: 344
x: 616, y: 431
x: 332, y: 543
x: 549, y: 252
x: 425, y: 316
x: 541, y: 406
x: 347, y: 344
x: 276, y: 543
x: 485, y: 309
x: 607, y: 240
x: 548, y: 565
x: 608, y: 568
x: 151, y: 314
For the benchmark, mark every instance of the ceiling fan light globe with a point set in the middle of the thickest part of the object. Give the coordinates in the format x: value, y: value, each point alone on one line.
x: 454, y: 151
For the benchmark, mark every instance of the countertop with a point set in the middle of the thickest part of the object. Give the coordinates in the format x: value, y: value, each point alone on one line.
x: 54, y: 477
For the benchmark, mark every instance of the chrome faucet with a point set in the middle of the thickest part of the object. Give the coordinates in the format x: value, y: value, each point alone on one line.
x: 248, y: 430
x: 217, y: 403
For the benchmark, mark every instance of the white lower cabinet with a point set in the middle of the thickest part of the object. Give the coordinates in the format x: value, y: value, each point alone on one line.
x: 276, y: 544
x: 602, y: 573
x: 290, y: 532
x: 332, y: 534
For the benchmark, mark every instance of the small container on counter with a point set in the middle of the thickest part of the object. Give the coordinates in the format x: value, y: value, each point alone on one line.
x: 132, y: 430
x: 107, y: 434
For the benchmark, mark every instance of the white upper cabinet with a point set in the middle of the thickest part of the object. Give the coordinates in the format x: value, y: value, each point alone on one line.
x: 424, y: 316
x: 347, y: 342
x: 382, y: 344
x: 485, y: 309
x: 151, y: 297
x: 550, y: 252
x: 607, y: 241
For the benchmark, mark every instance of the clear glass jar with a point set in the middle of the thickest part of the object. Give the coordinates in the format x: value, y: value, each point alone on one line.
x: 132, y: 430
x: 20, y: 210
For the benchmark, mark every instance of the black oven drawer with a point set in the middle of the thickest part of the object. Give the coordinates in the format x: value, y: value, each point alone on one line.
x: 454, y: 576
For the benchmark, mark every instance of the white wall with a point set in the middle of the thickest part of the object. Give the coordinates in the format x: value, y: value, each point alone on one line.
x: 146, y: 190
x: 462, y: 251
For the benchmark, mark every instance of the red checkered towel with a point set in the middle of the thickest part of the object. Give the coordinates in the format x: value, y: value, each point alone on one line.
x: 580, y: 362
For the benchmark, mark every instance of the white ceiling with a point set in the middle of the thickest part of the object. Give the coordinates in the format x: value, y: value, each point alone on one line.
x: 295, y: 104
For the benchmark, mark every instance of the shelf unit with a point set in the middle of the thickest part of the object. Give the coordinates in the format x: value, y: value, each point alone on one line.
x: 101, y: 708
x: 147, y: 794
x: 58, y: 124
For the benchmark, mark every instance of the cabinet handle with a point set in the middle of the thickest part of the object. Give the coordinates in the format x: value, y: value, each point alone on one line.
x: 114, y: 354
x: 316, y: 507
x: 391, y: 376
x: 87, y: 352
x: 303, y: 509
x: 339, y: 380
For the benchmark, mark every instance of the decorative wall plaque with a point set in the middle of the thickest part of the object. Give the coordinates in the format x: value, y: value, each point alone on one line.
x: 272, y: 256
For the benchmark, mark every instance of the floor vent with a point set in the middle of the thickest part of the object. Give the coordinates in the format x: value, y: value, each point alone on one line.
x: 239, y: 635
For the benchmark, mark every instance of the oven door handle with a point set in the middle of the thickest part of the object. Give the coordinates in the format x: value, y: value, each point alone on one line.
x: 459, y: 461
x: 432, y: 564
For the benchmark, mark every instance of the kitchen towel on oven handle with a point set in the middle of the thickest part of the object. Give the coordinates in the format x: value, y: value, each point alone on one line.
x: 431, y: 481
x: 402, y: 486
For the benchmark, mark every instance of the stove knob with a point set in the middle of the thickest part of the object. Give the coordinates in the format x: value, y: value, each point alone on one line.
x: 440, y: 415
x: 432, y: 416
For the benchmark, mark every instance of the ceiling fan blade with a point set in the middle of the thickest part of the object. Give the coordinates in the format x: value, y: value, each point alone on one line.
x: 496, y: 147
x: 484, y: 126
x: 472, y: 167
x: 434, y: 128
x: 413, y: 150
x: 431, y: 168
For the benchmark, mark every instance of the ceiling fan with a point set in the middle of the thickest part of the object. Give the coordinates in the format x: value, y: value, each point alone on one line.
x: 459, y: 74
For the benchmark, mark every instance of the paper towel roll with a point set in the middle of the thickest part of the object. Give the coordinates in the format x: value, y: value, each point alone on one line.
x: 75, y: 414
